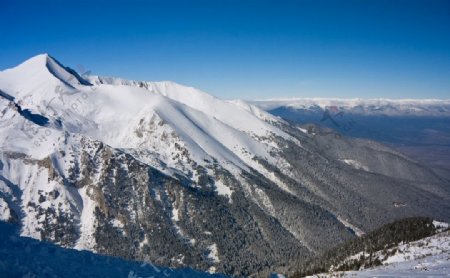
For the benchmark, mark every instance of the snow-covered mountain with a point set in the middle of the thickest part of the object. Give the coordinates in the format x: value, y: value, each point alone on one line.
x: 162, y: 171
x: 388, y: 107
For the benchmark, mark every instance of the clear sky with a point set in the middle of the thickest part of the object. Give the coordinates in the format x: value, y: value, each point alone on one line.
x: 244, y: 49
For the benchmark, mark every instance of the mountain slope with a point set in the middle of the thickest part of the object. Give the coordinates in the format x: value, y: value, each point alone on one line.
x: 158, y: 170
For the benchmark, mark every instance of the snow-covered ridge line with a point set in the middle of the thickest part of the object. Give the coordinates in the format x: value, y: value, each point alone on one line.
x: 353, y: 100
x: 424, y: 100
x: 410, y: 105
x: 190, y: 96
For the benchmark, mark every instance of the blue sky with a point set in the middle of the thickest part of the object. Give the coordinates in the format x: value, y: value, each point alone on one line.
x: 244, y: 49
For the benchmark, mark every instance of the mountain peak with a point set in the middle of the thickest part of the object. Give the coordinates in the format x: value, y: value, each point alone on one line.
x: 41, y: 56
x: 40, y: 66
x: 38, y: 61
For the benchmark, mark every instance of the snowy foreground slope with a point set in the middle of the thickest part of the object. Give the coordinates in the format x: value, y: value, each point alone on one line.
x: 160, y: 171
x: 424, y: 264
x: 26, y: 257
x: 426, y: 257
x: 429, y: 266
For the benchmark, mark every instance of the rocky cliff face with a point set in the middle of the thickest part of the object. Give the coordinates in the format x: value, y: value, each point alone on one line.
x: 161, y: 172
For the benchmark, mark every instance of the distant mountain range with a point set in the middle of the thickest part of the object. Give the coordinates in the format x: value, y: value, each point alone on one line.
x: 367, y: 107
x: 419, y: 128
x: 163, y: 172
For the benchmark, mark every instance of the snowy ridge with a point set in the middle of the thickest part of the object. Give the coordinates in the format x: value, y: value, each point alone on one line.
x: 355, y: 164
x: 358, y: 232
x: 229, y: 112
